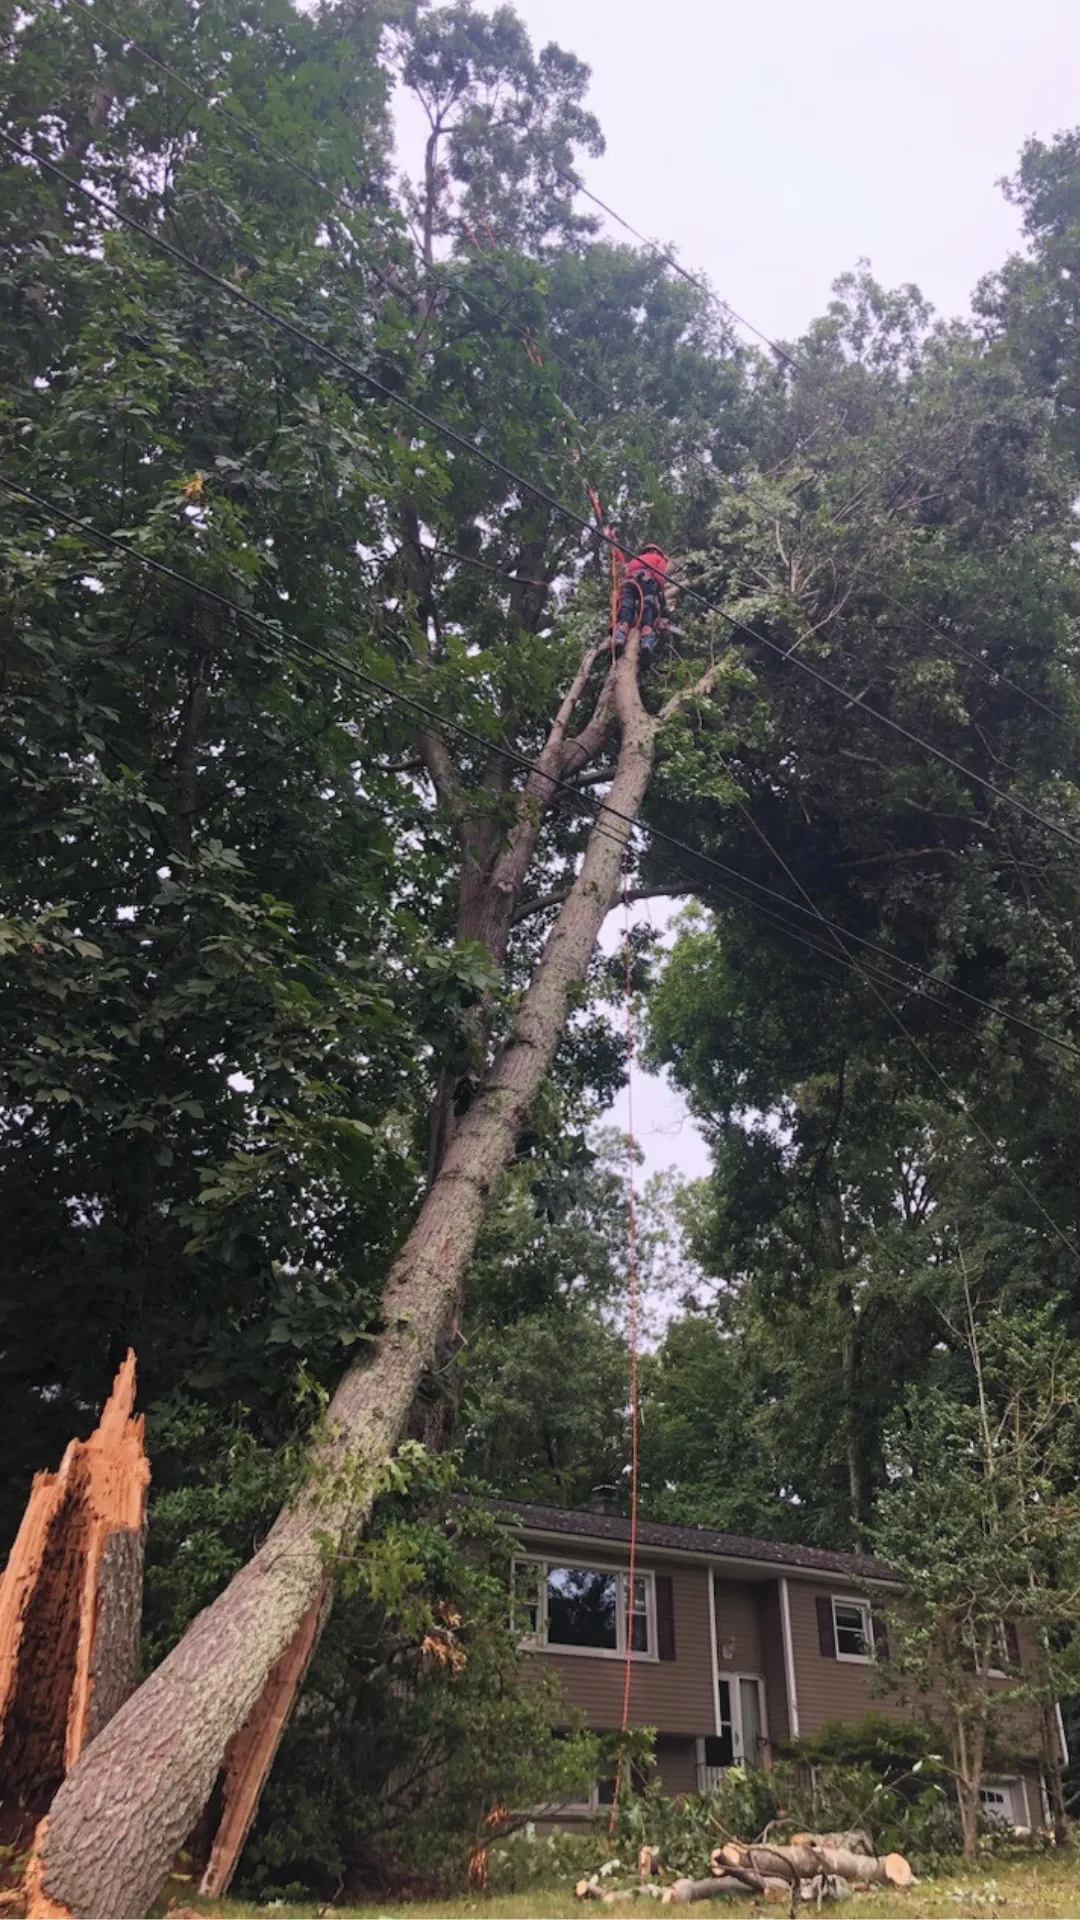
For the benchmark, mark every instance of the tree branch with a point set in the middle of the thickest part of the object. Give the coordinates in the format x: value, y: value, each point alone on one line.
x: 701, y: 689
x: 437, y: 761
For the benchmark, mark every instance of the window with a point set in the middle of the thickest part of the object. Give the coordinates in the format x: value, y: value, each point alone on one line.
x: 584, y: 1609
x: 854, y: 1630
x: 1003, y: 1803
x: 1004, y: 1651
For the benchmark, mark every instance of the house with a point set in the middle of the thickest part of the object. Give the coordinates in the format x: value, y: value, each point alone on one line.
x: 737, y: 1645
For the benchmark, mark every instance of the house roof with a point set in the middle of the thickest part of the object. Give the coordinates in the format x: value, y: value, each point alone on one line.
x: 586, y: 1524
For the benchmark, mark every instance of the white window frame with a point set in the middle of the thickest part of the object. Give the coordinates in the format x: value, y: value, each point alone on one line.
x: 1000, y: 1652
x: 735, y: 1681
x: 1013, y: 1787
x: 854, y: 1600
x: 538, y: 1641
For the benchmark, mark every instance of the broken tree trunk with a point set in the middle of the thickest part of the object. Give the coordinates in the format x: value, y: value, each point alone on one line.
x: 71, y: 1608
x: 151, y: 1772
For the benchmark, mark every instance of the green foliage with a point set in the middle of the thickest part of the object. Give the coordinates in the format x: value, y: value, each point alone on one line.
x: 527, y: 1861
x: 888, y: 1746
x: 981, y: 1519
x: 422, y: 1733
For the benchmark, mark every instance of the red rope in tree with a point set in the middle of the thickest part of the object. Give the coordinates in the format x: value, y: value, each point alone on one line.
x: 631, y: 1193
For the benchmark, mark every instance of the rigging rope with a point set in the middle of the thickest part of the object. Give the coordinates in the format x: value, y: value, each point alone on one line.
x: 632, y: 1334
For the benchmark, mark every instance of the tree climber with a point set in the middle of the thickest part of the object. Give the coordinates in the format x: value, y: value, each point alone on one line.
x: 642, y: 602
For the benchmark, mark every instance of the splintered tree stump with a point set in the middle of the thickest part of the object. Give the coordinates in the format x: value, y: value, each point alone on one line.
x: 70, y: 1610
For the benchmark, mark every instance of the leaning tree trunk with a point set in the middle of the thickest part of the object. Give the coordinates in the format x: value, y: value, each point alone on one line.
x: 128, y: 1806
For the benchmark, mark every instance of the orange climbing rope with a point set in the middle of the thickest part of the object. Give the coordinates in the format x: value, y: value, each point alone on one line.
x: 632, y: 1330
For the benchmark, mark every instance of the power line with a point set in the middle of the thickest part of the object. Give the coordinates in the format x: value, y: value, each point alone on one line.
x: 676, y: 264
x: 954, y: 1099
x: 312, y: 655
x: 517, y: 480
x: 725, y: 306
x: 128, y: 44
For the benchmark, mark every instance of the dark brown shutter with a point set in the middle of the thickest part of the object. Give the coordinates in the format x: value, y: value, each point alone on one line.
x: 826, y: 1632
x: 1012, y: 1643
x: 665, y: 1616
x: 881, y: 1637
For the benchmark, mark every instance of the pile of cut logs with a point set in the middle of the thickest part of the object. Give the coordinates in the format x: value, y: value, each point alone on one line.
x: 810, y: 1866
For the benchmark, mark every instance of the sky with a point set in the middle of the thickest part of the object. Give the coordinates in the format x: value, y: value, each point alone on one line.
x: 776, y: 146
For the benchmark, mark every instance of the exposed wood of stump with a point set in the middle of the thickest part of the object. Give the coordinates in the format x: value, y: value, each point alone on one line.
x: 70, y: 1609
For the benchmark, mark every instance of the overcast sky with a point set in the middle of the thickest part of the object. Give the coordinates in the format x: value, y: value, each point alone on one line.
x: 778, y: 145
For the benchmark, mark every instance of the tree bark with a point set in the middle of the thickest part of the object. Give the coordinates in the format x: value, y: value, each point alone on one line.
x: 1055, y: 1790
x: 149, y: 1774
x: 811, y: 1858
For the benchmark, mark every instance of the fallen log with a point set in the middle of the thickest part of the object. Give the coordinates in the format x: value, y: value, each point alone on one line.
x: 805, y: 1861
x: 855, y: 1840
x: 749, y: 1886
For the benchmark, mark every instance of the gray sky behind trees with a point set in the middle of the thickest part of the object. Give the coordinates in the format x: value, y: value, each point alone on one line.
x: 777, y: 145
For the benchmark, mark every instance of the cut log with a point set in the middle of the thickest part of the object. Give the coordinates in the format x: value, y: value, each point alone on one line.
x: 71, y: 1608
x: 805, y: 1859
x: 746, y: 1886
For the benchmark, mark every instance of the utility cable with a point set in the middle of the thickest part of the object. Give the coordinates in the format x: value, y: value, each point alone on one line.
x: 313, y: 656
x: 453, y: 436
x: 675, y: 263
x: 955, y: 1102
x: 128, y: 44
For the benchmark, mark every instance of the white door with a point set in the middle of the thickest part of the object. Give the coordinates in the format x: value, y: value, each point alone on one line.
x: 1004, y: 1800
x: 750, y: 1727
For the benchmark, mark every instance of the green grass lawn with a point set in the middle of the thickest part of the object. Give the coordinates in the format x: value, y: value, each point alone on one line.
x: 1042, y: 1888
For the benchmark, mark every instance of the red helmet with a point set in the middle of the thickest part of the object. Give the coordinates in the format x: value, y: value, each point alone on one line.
x: 654, y: 558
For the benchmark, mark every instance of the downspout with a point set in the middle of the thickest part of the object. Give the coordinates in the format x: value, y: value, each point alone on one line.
x: 789, y: 1662
x: 712, y: 1650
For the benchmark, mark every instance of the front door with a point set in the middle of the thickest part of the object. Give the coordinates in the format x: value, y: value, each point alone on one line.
x: 740, y: 1725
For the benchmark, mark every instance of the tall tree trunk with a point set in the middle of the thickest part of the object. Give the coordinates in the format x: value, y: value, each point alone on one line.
x: 1055, y: 1789
x: 127, y: 1807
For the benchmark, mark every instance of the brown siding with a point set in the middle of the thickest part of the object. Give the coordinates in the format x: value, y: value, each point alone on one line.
x: 830, y: 1689
x: 845, y: 1690
x: 674, y: 1696
x: 772, y: 1660
x: 676, y: 1763
x: 737, y: 1619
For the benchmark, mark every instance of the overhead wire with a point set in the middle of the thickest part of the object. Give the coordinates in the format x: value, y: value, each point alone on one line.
x: 312, y: 655
x: 958, y: 1105
x: 467, y: 293
x: 128, y: 44
x: 676, y: 264
x: 452, y: 436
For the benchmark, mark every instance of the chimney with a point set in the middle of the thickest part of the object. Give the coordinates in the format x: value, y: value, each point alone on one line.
x: 604, y: 1500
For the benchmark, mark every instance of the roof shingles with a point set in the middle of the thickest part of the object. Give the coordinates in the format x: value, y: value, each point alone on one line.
x: 588, y: 1525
